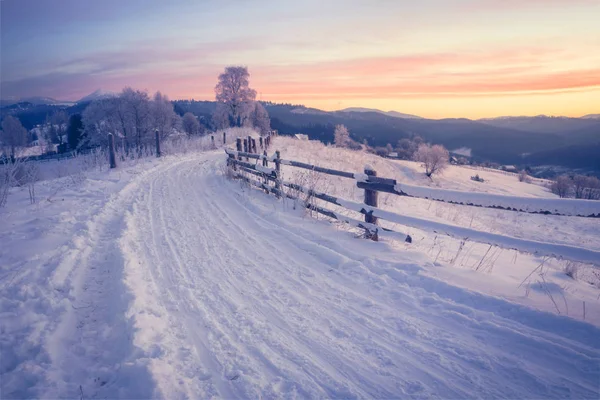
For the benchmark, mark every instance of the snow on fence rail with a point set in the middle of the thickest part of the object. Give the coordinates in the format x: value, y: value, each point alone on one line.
x: 373, y: 184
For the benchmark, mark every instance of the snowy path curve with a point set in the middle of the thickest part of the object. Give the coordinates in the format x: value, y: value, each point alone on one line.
x: 185, y: 285
x: 234, y: 300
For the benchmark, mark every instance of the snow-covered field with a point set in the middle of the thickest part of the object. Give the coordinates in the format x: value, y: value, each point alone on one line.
x: 165, y: 279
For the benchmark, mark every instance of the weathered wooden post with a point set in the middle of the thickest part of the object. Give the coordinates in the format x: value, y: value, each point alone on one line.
x: 245, y: 145
x: 371, y: 200
x: 212, y: 141
x: 238, y: 146
x: 156, y: 136
x: 111, y: 151
x: 265, y: 161
x: 224, y: 137
x: 249, y: 144
x: 260, y: 141
x: 254, y: 146
x: 278, y: 169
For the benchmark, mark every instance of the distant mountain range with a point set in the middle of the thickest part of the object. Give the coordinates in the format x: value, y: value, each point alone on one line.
x: 49, y: 101
x: 388, y: 113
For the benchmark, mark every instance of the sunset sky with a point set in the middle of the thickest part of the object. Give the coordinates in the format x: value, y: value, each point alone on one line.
x: 434, y: 58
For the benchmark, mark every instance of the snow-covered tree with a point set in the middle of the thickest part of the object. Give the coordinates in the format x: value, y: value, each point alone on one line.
x: 13, y: 135
x: 235, y: 98
x: 135, y: 105
x: 259, y: 118
x: 102, y: 117
x: 164, y: 117
x: 190, y: 124
x: 220, y: 117
x: 434, y: 158
x: 341, y: 136
x: 562, y: 186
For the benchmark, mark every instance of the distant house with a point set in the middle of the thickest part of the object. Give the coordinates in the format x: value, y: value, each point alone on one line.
x: 509, y: 168
x: 393, y: 155
x: 453, y: 160
x: 300, y: 136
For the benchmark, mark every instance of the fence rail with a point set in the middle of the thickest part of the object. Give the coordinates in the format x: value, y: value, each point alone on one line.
x: 373, y: 184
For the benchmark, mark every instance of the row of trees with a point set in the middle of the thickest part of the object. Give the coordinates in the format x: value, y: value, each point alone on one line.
x: 577, y: 186
x: 133, y: 116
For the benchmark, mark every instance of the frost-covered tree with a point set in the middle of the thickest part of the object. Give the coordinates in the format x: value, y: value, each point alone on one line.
x: 163, y: 115
x: 562, y: 186
x: 190, y: 124
x: 434, y: 158
x: 234, y: 96
x: 102, y: 117
x: 135, y: 105
x: 13, y: 135
x: 592, y: 190
x: 341, y: 136
x: 259, y: 118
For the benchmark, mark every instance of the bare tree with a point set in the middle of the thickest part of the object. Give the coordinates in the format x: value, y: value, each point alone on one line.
x: 562, y: 186
x: 234, y: 95
x: 341, y: 136
x: 434, y: 158
x: 13, y: 135
x: 190, y: 124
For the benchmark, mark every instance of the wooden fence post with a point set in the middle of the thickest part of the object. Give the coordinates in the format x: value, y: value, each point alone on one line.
x: 254, y: 146
x: 212, y: 141
x: 111, y: 151
x: 245, y: 145
x: 249, y: 144
x: 260, y: 141
x: 265, y: 161
x: 156, y: 136
x: 224, y: 137
x: 371, y: 200
x: 238, y: 146
x: 278, y: 169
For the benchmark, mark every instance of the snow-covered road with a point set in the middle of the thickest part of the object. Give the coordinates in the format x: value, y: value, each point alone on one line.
x: 186, y: 285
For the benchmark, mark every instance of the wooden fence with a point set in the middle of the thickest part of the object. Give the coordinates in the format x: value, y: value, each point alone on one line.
x: 253, y: 168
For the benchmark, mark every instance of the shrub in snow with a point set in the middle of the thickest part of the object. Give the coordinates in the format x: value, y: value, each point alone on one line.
x: 571, y: 269
x: 523, y: 177
x: 434, y: 158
